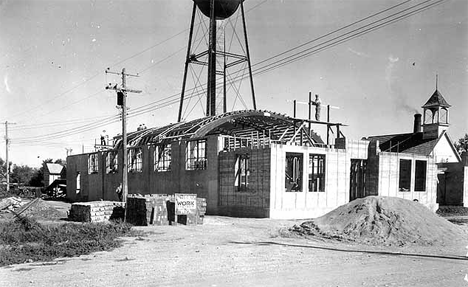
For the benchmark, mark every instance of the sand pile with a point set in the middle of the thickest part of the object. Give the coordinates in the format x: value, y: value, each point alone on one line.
x: 382, y: 220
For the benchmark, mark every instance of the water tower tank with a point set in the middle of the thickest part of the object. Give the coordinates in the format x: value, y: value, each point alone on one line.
x: 222, y: 8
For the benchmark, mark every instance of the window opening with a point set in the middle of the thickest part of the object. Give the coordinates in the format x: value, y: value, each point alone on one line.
x: 405, y: 175
x: 420, y: 175
x: 196, y: 155
x: 93, y: 163
x: 78, y: 183
x: 443, y: 116
x: 162, y: 158
x: 293, y: 174
x: 242, y: 172
x: 136, y: 160
x: 316, y: 173
x: 112, y: 162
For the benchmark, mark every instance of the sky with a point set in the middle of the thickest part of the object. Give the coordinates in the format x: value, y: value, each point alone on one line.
x: 54, y: 54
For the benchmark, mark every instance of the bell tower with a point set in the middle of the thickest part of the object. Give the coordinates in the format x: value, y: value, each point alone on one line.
x: 436, y: 116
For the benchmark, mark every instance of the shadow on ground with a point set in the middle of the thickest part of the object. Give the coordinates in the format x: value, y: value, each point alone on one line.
x: 431, y: 256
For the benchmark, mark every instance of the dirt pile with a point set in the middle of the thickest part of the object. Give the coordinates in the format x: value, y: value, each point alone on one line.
x: 382, y: 220
x: 44, y: 210
x: 38, y: 209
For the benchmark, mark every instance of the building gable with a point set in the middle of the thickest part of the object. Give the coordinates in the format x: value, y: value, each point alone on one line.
x: 54, y: 168
x: 444, y: 150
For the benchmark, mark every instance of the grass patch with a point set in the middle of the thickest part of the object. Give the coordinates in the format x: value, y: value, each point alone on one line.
x: 25, y: 240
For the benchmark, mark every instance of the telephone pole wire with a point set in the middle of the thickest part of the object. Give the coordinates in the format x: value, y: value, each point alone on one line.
x: 7, y: 144
x: 122, y: 100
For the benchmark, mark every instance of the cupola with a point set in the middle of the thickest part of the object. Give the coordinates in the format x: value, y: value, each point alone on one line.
x: 435, y: 116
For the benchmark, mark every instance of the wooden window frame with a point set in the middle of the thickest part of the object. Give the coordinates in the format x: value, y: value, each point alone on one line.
x: 316, y: 171
x: 93, y: 163
x: 242, y: 172
x: 196, y: 158
x: 294, y: 166
x: 135, y: 158
x: 112, y: 162
x: 162, y: 158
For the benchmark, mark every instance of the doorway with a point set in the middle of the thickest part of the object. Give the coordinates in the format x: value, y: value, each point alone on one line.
x: 357, y: 183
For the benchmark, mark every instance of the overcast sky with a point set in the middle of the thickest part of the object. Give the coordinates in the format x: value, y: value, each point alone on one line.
x: 54, y: 54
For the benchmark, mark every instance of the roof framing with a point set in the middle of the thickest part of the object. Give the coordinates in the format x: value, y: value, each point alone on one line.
x: 277, y: 127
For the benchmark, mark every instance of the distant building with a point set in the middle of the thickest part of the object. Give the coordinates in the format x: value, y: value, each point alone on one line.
x: 53, y: 171
x: 400, y: 160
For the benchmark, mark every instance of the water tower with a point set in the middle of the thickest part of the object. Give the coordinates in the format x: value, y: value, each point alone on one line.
x: 218, y: 60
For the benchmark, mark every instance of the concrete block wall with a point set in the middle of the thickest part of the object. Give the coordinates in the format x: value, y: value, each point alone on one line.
x: 159, y: 209
x: 95, y: 186
x: 356, y: 149
x: 307, y: 204
x: 389, y: 175
x: 143, y: 210
x: 103, y: 186
x: 255, y: 201
x: 96, y: 211
x: 78, y: 164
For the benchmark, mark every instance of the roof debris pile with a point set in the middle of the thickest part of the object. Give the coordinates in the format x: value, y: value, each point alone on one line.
x: 383, y: 221
x: 10, y: 203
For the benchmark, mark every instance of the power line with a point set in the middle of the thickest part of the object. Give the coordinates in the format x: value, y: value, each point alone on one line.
x: 57, y: 123
x: 278, y: 63
x: 282, y: 62
x: 307, y: 52
x: 73, y: 131
x: 331, y: 43
x: 333, y: 32
x: 115, y: 64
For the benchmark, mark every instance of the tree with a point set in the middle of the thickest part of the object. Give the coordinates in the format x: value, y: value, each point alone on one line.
x: 462, y: 144
x: 38, y: 178
x: 2, y: 169
x: 22, y: 174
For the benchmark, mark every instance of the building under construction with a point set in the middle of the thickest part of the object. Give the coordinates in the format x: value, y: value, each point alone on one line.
x: 256, y: 163
x: 262, y: 164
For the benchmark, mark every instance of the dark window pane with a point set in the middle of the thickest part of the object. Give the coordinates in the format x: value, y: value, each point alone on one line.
x: 405, y: 175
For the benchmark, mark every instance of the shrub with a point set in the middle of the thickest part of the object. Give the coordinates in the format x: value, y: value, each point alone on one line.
x: 24, y: 239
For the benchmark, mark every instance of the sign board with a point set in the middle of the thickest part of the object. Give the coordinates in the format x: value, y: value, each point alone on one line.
x: 185, y: 203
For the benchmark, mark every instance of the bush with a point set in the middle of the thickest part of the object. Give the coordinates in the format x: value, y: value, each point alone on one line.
x: 24, y: 239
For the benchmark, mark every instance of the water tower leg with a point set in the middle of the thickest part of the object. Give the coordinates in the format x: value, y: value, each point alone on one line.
x: 211, y: 93
x: 248, y: 56
x: 187, y: 61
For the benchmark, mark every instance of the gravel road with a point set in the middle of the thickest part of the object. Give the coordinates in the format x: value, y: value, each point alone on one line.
x: 246, y: 252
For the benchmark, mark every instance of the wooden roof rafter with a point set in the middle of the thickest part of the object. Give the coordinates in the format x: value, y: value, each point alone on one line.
x: 303, y: 134
x: 275, y: 126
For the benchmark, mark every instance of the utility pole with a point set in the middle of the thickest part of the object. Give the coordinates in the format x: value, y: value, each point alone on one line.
x: 7, y: 144
x: 122, y: 100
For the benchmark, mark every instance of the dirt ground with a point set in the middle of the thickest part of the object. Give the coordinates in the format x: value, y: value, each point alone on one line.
x: 246, y: 252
